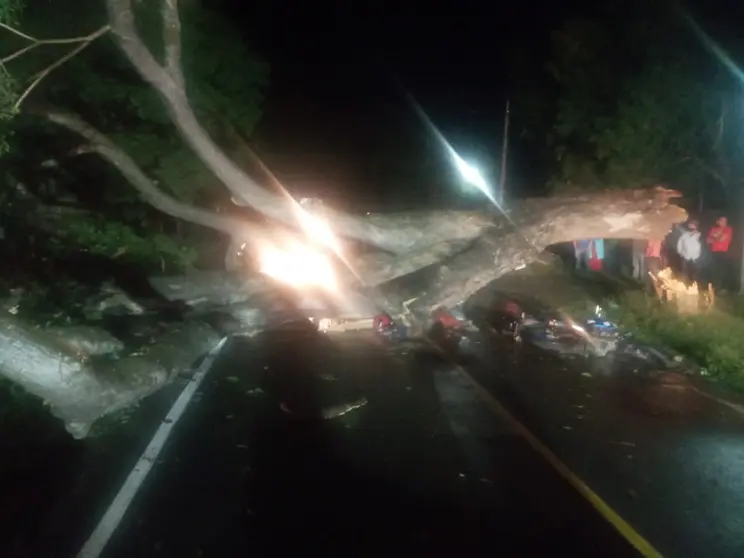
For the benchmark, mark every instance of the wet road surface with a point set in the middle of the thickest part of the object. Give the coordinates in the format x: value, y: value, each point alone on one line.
x: 53, y: 489
x: 423, y: 468
x: 669, y: 460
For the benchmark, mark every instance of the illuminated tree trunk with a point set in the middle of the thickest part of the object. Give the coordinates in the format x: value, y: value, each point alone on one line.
x: 438, y: 257
x: 449, y: 272
x: 78, y: 392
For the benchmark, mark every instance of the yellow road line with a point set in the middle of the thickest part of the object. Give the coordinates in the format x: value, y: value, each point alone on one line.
x: 623, y: 527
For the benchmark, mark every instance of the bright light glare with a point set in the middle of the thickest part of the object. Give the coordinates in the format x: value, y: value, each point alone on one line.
x: 298, y: 265
x: 470, y: 173
x: 317, y: 230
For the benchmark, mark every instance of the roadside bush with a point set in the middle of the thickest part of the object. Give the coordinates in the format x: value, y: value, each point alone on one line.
x: 714, y: 340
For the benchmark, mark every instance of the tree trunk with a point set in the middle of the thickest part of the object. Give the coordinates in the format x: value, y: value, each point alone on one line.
x: 415, y: 236
x: 397, y: 235
x: 205, y: 289
x: 97, y: 142
x: 75, y: 389
x: 532, y: 226
x: 450, y: 272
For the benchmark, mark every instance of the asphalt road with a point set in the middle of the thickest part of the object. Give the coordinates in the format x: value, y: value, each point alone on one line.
x: 423, y: 468
x: 663, y: 455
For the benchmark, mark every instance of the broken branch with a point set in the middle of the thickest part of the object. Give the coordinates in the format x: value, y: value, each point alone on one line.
x: 83, y: 43
x: 103, y: 146
x: 172, y: 41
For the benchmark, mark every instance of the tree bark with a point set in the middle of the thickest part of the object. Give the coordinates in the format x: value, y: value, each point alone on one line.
x: 450, y: 272
x: 97, y: 142
x: 75, y: 389
x: 393, y: 233
x: 440, y: 257
x: 532, y: 226
x: 421, y: 238
x: 205, y: 289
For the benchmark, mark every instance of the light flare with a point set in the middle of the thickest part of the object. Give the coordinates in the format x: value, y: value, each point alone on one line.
x: 671, y: 283
x: 472, y: 175
x: 317, y: 230
x: 469, y: 172
x: 297, y: 264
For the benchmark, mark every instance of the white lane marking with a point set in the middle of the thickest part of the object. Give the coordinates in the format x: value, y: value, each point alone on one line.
x: 115, y: 512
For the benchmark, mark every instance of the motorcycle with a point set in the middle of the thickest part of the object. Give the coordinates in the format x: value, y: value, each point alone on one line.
x: 387, y: 328
x: 595, y: 335
x: 450, y: 328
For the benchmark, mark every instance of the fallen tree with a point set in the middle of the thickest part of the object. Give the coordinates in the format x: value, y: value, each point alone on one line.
x: 476, y: 246
x: 449, y: 272
x: 438, y: 257
x: 523, y: 235
x: 77, y: 389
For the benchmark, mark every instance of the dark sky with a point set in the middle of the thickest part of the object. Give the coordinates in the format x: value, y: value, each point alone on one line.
x: 335, y: 64
x: 337, y: 67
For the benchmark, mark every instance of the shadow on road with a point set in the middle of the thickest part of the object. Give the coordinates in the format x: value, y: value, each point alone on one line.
x: 365, y: 487
x: 404, y: 477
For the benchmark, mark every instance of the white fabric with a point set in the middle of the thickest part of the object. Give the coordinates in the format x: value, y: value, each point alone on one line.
x: 688, y: 245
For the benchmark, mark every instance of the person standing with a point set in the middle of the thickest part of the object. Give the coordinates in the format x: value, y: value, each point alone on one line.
x: 581, y: 253
x: 652, y: 261
x: 596, y: 254
x: 689, y: 249
x: 719, y: 242
x: 639, y: 257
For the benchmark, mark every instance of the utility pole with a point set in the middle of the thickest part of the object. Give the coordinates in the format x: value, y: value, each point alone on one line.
x: 504, y: 153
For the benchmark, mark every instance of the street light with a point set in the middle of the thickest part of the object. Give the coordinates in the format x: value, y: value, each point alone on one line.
x: 471, y: 174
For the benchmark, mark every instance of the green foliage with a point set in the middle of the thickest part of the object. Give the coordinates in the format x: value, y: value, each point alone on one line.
x: 8, y: 97
x: 711, y: 340
x: 10, y: 11
x: 641, y: 103
x: 225, y: 81
x: 115, y: 240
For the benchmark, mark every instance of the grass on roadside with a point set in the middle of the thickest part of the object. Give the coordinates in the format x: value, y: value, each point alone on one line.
x: 714, y: 340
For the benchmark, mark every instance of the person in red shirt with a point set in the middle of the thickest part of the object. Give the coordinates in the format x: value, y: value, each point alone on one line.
x: 719, y: 241
x: 652, y: 260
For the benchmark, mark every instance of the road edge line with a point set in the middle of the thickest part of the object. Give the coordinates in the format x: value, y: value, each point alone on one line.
x: 111, y: 519
x: 626, y: 530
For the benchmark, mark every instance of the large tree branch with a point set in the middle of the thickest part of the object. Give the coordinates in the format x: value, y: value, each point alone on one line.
x: 82, y: 43
x: 75, y: 390
x: 448, y: 273
x: 393, y: 233
x: 103, y: 146
x: 172, y: 41
x: 535, y: 225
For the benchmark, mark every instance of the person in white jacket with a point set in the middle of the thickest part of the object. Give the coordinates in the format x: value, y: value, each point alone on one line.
x: 689, y: 249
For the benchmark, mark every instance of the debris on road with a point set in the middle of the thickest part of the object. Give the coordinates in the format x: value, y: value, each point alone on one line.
x: 628, y: 444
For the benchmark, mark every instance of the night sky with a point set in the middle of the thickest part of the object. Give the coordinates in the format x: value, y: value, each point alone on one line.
x: 336, y: 109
